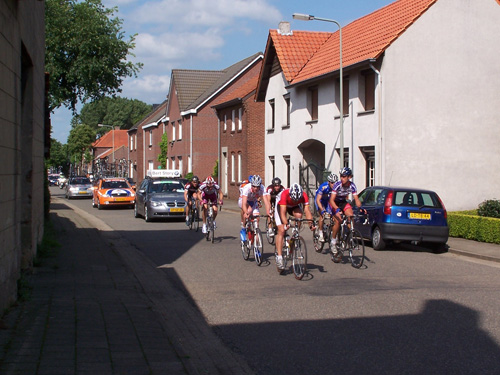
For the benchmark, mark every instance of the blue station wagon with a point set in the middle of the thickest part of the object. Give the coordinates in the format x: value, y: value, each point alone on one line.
x: 397, y: 214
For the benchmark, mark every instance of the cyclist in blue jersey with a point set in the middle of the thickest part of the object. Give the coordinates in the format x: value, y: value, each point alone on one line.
x: 322, y: 201
x: 338, y: 200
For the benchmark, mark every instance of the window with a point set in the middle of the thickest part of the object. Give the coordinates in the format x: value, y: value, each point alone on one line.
x: 287, y: 106
x: 150, y: 165
x: 346, y: 157
x: 345, y: 96
x: 150, y: 138
x: 225, y: 122
x: 369, y: 154
x: 286, y: 158
x: 368, y: 89
x: 135, y: 143
x: 239, y: 167
x: 313, y: 103
x: 180, y: 163
x: 273, y: 167
x: 240, y: 120
x: 272, y: 114
x: 180, y: 130
x: 131, y: 142
x: 173, y: 162
x: 173, y: 131
x: 232, y: 169
x: 190, y: 165
x: 233, y: 123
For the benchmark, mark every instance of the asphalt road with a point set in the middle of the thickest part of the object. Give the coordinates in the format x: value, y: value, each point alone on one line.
x: 406, y: 311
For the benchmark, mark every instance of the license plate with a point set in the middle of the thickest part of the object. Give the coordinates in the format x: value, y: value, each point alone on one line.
x: 420, y: 216
x: 82, y: 192
x: 120, y: 199
x: 177, y: 210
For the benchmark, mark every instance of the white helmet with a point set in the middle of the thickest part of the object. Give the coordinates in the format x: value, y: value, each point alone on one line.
x: 256, y: 180
x: 332, y: 177
x: 296, y: 192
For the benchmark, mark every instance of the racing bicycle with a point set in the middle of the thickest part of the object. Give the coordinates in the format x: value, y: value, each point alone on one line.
x: 194, y: 217
x: 253, y: 240
x: 210, y: 235
x: 294, y: 248
x: 350, y: 241
x: 271, y: 225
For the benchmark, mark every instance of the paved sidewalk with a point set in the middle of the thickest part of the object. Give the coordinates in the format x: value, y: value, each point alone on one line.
x: 101, y: 307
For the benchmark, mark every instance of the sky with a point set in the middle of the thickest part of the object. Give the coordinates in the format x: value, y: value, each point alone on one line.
x: 207, y: 35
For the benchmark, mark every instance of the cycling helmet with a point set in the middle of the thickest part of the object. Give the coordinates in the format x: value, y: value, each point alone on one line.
x: 332, y: 177
x: 296, y: 192
x: 210, y: 180
x: 346, y: 171
x: 195, y: 179
x: 255, y: 180
x: 276, y: 181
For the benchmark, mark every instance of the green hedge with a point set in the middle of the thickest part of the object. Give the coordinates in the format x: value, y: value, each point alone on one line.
x: 468, y: 225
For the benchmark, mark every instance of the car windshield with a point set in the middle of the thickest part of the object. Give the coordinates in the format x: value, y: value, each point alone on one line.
x: 80, y: 181
x: 114, y: 185
x: 166, y: 187
x: 416, y: 199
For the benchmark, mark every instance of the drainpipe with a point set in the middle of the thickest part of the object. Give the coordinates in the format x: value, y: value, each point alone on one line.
x: 191, y: 144
x: 381, y: 140
x: 143, y: 153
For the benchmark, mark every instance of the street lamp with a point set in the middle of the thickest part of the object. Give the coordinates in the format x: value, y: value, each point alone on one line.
x: 308, y: 17
x: 113, y: 130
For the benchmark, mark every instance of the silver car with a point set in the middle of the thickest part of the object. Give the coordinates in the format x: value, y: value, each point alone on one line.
x: 159, y: 198
x: 78, y: 187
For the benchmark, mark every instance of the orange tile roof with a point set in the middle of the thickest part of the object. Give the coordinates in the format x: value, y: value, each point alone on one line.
x: 241, y: 92
x: 295, y: 50
x: 121, y: 139
x: 363, y: 39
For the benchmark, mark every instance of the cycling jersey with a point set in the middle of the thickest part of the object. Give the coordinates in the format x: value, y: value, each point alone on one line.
x: 250, y: 194
x: 209, y: 193
x: 273, y: 193
x: 191, y: 189
x: 284, y: 199
x: 324, y: 190
x: 342, y: 193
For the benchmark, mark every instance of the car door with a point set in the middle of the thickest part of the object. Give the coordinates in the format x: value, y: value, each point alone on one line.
x: 140, y: 196
x: 372, y: 200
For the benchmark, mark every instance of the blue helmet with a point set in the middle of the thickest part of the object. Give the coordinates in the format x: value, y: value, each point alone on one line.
x: 346, y: 171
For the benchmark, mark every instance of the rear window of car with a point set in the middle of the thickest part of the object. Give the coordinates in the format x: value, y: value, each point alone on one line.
x: 80, y: 181
x: 115, y: 185
x: 166, y: 187
x: 416, y: 199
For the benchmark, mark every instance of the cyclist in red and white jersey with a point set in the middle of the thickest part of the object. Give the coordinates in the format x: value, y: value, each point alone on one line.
x: 208, y: 193
x: 292, y: 201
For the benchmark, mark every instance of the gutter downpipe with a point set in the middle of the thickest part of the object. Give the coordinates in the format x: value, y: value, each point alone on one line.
x: 381, y: 143
x: 144, y: 174
x: 190, y: 167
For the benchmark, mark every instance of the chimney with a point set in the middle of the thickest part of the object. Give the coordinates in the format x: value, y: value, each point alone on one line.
x: 284, y: 28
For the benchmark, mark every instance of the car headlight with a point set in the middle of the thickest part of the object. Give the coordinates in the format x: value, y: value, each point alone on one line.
x: 155, y: 204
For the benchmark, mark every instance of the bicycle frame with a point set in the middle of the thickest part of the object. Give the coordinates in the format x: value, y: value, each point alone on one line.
x: 349, y: 239
x: 253, y: 239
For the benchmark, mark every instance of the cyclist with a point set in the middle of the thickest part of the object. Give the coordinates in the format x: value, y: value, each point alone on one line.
x: 274, y: 189
x: 291, y: 201
x: 249, y: 198
x: 190, y: 191
x: 338, y: 200
x: 322, y: 199
x: 208, y: 192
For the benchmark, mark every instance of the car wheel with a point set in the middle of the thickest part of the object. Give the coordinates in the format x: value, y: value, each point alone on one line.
x: 136, y: 214
x: 438, y: 248
x: 146, y: 214
x: 99, y: 205
x: 377, y: 242
x: 93, y: 203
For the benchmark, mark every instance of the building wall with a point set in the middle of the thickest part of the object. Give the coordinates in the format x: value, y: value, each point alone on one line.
x: 22, y: 33
x: 440, y: 84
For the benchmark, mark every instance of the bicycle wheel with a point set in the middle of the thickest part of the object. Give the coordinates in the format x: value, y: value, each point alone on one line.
x: 258, y: 247
x: 337, y: 252
x: 212, y: 230
x: 299, y: 258
x: 318, y: 246
x: 245, y: 250
x: 356, y: 249
x: 209, y: 228
x: 195, y: 220
x: 270, y: 239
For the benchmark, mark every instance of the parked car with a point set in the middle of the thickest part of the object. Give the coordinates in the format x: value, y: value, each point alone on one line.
x: 159, y: 198
x: 110, y: 192
x: 131, y: 182
x: 53, y: 179
x: 398, y: 214
x: 78, y: 187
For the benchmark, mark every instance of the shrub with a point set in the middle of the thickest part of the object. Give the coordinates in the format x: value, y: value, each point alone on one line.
x: 489, y: 208
x: 473, y: 227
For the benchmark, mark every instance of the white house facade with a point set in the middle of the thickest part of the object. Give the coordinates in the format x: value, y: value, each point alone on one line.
x: 421, y: 110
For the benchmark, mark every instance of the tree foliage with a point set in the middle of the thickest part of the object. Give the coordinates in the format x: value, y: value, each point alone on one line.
x: 59, y: 156
x: 162, y: 157
x: 115, y: 111
x: 86, y: 54
x: 80, y: 139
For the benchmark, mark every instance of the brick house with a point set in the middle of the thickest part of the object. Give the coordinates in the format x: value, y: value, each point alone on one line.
x: 110, y: 153
x: 242, y: 136
x: 191, y: 123
x: 144, y: 139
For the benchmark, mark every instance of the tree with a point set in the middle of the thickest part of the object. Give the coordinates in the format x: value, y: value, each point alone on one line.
x: 162, y: 157
x: 58, y: 155
x: 85, y: 52
x: 79, y: 141
x: 116, y: 111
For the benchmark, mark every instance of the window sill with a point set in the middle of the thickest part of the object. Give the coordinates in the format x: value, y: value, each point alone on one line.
x: 311, y: 122
x: 364, y: 113
x: 338, y: 117
x: 285, y: 126
x: 270, y: 130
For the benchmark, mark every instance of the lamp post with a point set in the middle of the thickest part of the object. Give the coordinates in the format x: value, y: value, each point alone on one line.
x: 113, y: 130
x: 308, y: 17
